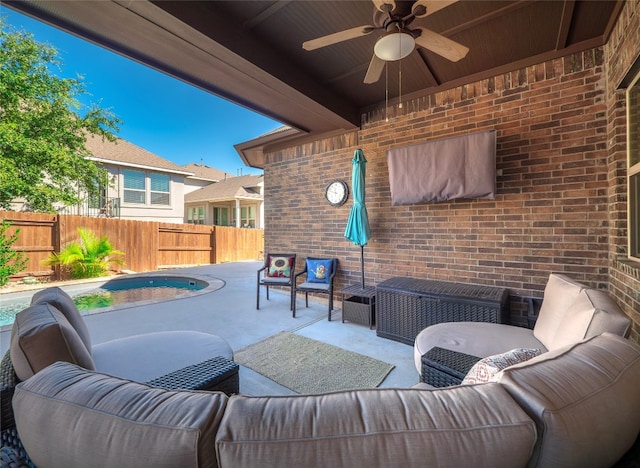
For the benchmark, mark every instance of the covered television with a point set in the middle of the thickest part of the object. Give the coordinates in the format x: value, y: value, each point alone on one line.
x: 444, y: 169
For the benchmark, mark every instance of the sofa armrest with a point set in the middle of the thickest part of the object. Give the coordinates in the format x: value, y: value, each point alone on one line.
x: 444, y: 367
x: 12, y: 453
x: 215, y: 374
x: 8, y: 382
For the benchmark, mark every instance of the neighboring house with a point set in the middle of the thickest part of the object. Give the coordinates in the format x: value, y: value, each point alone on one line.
x: 141, y: 186
x: 145, y: 187
x: 202, y: 175
x: 236, y: 201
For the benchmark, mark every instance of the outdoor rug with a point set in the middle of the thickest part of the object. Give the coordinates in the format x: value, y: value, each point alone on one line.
x: 310, y: 366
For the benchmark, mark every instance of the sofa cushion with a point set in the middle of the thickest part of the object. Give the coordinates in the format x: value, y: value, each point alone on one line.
x: 591, y: 313
x: 67, y: 416
x: 475, y: 338
x: 584, y: 398
x: 605, y: 316
x: 144, y: 357
x: 42, y: 335
x: 559, y: 293
x: 486, y: 368
x: 379, y: 427
x: 63, y: 302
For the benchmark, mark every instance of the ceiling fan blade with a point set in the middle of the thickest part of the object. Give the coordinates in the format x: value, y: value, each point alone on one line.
x: 375, y: 70
x: 334, y: 38
x: 443, y: 46
x: 430, y: 7
x: 385, y: 5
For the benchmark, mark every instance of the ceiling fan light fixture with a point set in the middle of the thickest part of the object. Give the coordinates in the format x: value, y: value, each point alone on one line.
x: 394, y: 46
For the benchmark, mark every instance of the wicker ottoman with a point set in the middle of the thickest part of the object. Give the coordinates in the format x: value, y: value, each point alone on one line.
x: 216, y: 374
x: 444, y: 368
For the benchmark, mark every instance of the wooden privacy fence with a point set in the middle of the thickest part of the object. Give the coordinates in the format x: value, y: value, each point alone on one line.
x: 147, y: 245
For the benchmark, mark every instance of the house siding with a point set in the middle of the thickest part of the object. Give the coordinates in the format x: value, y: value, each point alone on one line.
x: 173, y: 213
x: 561, y: 193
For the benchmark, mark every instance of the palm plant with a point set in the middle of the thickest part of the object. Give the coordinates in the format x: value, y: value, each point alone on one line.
x: 89, y: 258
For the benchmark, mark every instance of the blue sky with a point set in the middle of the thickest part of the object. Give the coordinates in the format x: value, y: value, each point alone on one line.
x: 163, y: 115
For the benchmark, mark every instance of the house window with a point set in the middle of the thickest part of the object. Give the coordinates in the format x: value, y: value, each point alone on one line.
x: 248, y: 216
x: 195, y: 215
x: 143, y: 188
x: 633, y: 172
x: 160, y: 189
x: 134, y: 186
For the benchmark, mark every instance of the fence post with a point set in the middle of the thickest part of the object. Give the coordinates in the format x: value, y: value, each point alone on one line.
x: 214, y: 254
x: 57, y: 244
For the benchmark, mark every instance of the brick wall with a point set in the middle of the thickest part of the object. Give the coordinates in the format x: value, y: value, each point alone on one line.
x: 622, y: 49
x: 555, y: 188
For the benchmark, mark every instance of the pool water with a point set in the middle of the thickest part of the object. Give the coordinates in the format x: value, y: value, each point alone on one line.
x: 101, y: 297
x: 127, y: 291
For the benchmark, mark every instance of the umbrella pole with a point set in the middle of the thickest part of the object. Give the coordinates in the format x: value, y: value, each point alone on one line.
x: 362, y: 263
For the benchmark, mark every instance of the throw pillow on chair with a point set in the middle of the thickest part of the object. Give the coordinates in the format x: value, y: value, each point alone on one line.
x: 280, y: 267
x: 319, y: 271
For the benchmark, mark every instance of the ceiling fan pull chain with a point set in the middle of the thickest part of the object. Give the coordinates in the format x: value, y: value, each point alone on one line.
x: 400, y: 85
x: 386, y: 91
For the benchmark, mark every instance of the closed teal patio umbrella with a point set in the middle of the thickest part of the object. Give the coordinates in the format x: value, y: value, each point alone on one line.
x: 357, y: 230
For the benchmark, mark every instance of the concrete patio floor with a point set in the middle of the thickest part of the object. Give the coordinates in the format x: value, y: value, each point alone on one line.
x: 230, y: 312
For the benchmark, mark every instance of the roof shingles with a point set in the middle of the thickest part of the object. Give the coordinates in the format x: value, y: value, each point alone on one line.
x: 122, y: 152
x: 204, y: 172
x: 234, y: 187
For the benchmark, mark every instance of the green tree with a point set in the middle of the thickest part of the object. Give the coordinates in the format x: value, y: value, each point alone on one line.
x: 11, y: 261
x: 44, y: 127
x: 88, y: 258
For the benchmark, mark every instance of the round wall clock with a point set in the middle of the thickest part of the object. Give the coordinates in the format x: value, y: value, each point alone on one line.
x: 337, y: 192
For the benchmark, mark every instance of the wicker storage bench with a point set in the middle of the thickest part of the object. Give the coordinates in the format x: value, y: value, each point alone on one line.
x: 406, y: 306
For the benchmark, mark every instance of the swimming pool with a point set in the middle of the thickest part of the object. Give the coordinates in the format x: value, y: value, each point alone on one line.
x: 129, y: 291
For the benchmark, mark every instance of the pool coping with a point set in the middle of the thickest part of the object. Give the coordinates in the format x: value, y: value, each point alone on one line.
x: 214, y: 284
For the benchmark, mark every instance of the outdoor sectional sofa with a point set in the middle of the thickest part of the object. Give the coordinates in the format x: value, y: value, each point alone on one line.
x: 52, y: 330
x: 576, y: 405
x: 570, y: 312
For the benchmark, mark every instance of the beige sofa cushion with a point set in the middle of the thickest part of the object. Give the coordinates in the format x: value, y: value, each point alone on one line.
x: 63, y: 302
x: 67, y: 416
x: 479, y: 425
x: 605, y: 316
x: 584, y: 398
x: 145, y: 357
x: 559, y: 293
x: 571, y: 312
x: 480, y: 339
x: 42, y: 335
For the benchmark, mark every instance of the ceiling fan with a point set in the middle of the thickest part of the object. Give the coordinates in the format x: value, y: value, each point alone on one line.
x: 400, y: 39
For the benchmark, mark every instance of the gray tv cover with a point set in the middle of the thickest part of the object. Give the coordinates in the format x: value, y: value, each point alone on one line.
x: 445, y: 169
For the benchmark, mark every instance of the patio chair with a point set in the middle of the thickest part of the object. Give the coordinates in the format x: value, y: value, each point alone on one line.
x: 320, y: 273
x: 278, y: 271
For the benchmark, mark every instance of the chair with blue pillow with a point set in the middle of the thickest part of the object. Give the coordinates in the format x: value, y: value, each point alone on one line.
x: 278, y: 270
x: 320, y: 273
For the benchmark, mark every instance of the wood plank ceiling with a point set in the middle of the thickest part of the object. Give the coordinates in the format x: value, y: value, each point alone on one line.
x: 250, y: 52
